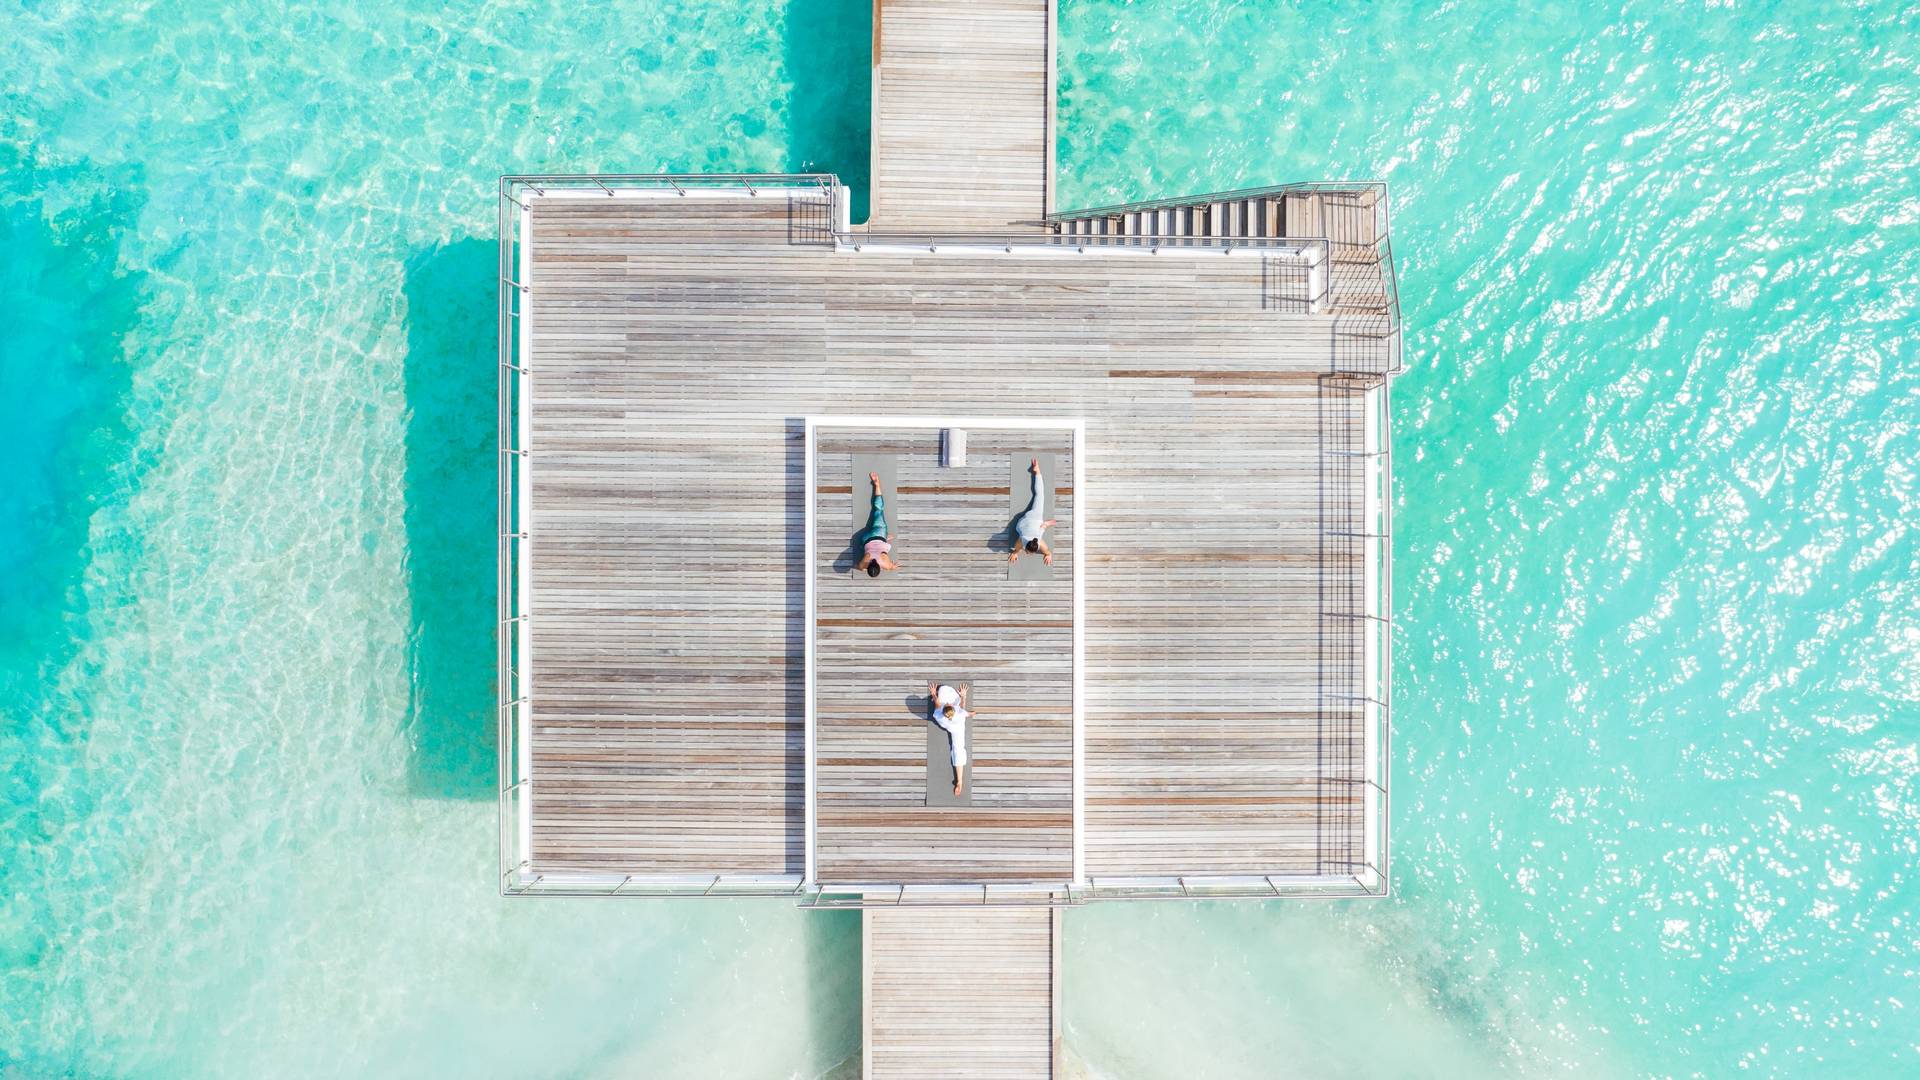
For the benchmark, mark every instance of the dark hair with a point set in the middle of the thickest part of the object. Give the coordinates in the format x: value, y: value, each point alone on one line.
x: 873, y: 568
x: 1033, y: 545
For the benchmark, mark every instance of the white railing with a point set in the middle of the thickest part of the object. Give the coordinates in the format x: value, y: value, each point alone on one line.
x: 510, y: 695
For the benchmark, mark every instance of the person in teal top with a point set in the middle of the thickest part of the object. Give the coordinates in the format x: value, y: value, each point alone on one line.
x: 1029, y: 529
x: 874, y: 541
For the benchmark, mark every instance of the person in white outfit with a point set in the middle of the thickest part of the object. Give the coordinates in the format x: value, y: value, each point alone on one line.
x: 949, y: 709
x: 1029, y: 529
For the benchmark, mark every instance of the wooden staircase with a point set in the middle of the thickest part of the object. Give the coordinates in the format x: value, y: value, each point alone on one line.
x: 1351, y: 219
x: 1256, y: 216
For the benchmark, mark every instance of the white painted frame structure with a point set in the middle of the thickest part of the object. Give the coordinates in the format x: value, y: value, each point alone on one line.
x: 1075, y: 425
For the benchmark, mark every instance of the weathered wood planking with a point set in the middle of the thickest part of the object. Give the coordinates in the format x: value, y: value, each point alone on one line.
x: 956, y: 993
x: 949, y: 613
x: 676, y: 345
x: 962, y: 109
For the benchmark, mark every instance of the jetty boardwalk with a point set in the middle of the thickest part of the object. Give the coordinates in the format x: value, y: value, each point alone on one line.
x: 701, y: 696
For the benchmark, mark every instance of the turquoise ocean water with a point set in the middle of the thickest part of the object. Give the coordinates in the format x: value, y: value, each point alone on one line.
x: 1658, y: 668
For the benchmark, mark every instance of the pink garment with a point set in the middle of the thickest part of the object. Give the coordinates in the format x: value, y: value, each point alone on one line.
x: 876, y: 546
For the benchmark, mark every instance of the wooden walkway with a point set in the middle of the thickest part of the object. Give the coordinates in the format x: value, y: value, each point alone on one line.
x: 949, y: 614
x: 678, y: 341
x: 969, y: 993
x: 963, y: 113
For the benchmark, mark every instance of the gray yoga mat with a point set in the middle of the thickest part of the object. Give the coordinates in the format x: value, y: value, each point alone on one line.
x: 1030, y: 566
x: 940, y: 759
x: 887, y: 467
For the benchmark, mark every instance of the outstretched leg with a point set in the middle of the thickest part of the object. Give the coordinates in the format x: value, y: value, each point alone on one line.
x: 1037, y: 502
x: 1036, y: 509
x: 876, y: 515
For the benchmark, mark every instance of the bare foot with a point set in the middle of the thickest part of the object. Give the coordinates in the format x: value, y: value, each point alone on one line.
x: 875, y: 477
x: 1035, y: 467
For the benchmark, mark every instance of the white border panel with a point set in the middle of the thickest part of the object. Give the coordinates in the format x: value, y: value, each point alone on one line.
x: 523, y: 544
x: 1081, y: 520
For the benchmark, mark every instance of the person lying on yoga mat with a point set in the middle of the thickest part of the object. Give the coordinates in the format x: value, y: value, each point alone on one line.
x: 873, y: 540
x: 1030, y: 527
x: 951, y: 713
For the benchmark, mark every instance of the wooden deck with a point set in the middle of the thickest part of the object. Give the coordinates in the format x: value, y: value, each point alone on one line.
x: 678, y: 341
x: 963, y: 113
x: 948, y: 614
x: 961, y: 993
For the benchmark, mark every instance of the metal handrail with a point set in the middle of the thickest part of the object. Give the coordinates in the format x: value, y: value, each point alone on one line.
x: 1249, y: 886
x: 1312, y: 250
x: 1235, y: 195
x: 507, y: 690
x: 511, y: 187
x: 1385, y: 751
x: 544, y: 180
x: 1390, y: 280
x: 1038, y: 238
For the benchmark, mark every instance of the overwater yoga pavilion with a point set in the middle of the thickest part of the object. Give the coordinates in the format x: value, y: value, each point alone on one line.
x: 699, y: 694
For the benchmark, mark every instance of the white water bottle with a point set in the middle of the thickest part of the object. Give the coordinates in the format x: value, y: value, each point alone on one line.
x: 953, y: 448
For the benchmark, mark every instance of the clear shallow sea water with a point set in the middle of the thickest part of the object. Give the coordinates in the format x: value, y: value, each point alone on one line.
x: 1658, y: 667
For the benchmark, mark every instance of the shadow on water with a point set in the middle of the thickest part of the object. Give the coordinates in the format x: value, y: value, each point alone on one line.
x: 450, y: 477
x: 830, y: 112
x: 833, y: 992
x: 64, y: 383
x: 66, y: 378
